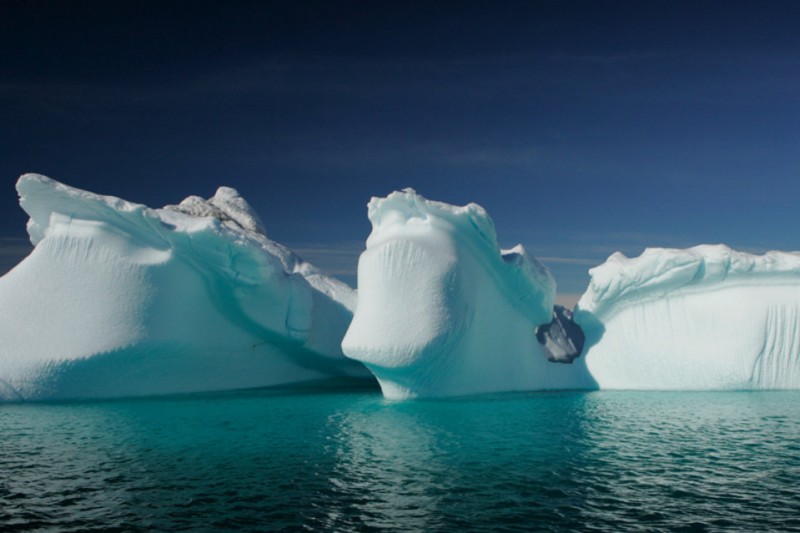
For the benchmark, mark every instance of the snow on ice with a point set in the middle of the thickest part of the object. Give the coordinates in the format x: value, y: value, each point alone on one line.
x: 118, y: 299
x: 442, y: 311
x: 705, y: 318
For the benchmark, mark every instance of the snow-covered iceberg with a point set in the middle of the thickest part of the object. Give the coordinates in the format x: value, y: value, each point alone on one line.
x: 698, y: 319
x: 118, y: 299
x: 442, y: 311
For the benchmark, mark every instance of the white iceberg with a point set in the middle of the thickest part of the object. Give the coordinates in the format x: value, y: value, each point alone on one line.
x: 442, y: 311
x: 118, y: 299
x: 705, y: 318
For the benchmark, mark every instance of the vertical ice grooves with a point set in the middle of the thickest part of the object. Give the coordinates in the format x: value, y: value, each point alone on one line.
x: 776, y: 366
x: 793, y: 355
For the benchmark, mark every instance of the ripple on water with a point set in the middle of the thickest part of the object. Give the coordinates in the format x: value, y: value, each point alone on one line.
x: 600, y: 461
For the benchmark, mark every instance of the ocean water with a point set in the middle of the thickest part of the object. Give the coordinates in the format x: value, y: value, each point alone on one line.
x: 350, y: 461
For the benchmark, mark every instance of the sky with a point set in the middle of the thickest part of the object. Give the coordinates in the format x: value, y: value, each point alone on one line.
x: 583, y: 128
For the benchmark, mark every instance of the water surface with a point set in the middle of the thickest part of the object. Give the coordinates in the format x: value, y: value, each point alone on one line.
x: 314, y: 460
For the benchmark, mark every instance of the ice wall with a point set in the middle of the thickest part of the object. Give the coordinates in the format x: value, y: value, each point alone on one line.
x: 442, y: 311
x: 118, y: 299
x: 698, y: 319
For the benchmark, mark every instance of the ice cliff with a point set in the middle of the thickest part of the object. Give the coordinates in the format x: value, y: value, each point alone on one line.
x: 704, y: 318
x: 443, y: 311
x: 118, y: 299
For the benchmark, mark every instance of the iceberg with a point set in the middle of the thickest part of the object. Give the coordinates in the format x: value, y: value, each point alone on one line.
x: 443, y: 311
x: 704, y: 318
x: 117, y: 299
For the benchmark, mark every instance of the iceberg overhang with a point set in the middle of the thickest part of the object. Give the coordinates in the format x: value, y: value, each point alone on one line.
x: 443, y: 311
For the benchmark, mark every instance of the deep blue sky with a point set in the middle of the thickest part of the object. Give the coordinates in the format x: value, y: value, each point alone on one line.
x: 582, y: 127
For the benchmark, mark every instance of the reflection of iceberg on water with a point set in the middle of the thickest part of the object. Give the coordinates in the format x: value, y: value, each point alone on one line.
x: 393, y: 457
x: 443, y: 311
x: 698, y: 319
x: 118, y: 299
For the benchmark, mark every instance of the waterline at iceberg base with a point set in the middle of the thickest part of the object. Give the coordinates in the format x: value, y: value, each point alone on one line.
x: 118, y: 299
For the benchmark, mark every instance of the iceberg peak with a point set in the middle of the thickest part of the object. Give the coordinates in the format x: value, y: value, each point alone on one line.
x: 227, y: 205
x: 524, y: 281
x: 408, y: 206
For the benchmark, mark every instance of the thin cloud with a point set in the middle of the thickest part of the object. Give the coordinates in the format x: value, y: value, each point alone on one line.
x: 288, y: 75
x: 568, y: 260
x: 338, y: 259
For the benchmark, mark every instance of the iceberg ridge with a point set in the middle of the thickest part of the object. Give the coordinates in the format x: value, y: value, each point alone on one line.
x: 137, y: 301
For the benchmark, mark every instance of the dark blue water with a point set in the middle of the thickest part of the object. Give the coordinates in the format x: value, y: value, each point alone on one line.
x: 604, y: 461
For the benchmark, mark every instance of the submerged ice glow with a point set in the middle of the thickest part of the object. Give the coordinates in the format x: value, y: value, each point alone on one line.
x: 264, y: 460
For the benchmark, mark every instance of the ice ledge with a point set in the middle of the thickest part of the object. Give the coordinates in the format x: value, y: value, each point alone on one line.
x: 660, y: 271
x: 41, y: 196
x: 224, y: 227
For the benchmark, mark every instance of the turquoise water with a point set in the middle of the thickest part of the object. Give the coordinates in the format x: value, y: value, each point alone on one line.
x: 327, y: 460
